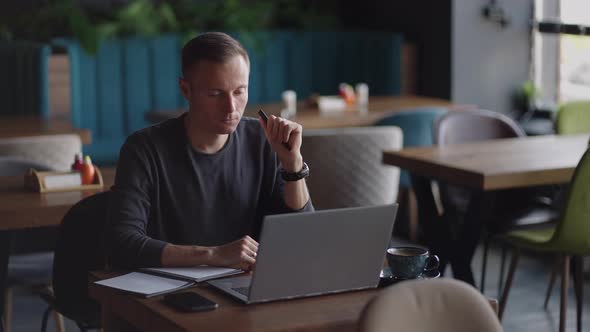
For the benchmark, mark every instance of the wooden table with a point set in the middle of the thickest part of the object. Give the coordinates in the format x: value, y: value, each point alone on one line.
x: 337, y: 312
x: 483, y: 167
x: 22, y: 209
x: 497, y: 164
x: 25, y: 126
x: 310, y: 118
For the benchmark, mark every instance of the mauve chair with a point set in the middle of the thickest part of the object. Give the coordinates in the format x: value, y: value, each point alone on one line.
x: 517, y: 208
x: 442, y: 305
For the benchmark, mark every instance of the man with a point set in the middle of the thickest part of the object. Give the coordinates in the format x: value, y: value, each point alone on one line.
x: 193, y: 190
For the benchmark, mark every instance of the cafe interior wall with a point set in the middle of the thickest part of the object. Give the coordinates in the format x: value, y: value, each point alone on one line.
x: 460, y: 55
x: 489, y: 61
x: 425, y: 24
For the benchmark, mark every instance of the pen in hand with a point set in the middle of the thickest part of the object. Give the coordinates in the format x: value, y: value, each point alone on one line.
x: 265, y: 119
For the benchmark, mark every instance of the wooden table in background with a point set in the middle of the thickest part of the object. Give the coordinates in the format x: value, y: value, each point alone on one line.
x: 124, y: 312
x: 497, y: 164
x: 22, y: 209
x: 310, y: 118
x: 26, y: 126
x: 483, y: 167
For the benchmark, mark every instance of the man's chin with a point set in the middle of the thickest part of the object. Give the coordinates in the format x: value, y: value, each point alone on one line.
x: 227, y: 128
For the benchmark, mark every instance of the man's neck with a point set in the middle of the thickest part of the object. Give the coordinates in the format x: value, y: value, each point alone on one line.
x: 201, y: 139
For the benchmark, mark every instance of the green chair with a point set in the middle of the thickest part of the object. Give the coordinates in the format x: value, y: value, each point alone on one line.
x: 573, y: 118
x: 571, y: 236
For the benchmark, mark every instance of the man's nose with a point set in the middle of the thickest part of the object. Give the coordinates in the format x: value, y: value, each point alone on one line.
x: 230, y: 104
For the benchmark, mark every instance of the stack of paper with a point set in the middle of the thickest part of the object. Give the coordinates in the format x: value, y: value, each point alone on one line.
x: 156, y: 281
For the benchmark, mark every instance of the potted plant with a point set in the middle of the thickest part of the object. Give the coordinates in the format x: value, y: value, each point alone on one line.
x: 524, y: 100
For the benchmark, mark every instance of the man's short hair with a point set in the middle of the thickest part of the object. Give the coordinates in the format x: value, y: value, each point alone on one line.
x: 212, y: 46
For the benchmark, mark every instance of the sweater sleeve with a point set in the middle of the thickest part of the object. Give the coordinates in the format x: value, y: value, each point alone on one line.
x: 129, y: 246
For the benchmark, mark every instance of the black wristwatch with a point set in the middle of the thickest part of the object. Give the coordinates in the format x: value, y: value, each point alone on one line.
x: 295, y: 176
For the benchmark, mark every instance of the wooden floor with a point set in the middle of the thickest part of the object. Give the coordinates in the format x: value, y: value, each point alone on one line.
x: 524, y: 311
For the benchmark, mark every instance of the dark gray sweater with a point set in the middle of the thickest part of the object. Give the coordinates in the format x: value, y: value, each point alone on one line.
x: 166, y: 191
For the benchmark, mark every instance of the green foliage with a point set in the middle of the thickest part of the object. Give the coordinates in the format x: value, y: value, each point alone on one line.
x: 529, y: 90
x: 150, y: 18
x: 301, y: 15
x: 524, y: 97
x: 143, y: 18
x: 223, y: 15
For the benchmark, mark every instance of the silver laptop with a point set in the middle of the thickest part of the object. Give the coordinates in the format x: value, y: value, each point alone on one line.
x: 314, y: 253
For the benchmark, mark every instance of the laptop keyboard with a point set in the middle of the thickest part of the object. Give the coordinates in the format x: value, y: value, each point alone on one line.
x: 242, y: 290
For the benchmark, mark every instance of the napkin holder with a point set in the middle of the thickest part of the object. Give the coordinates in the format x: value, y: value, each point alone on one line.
x: 45, y: 182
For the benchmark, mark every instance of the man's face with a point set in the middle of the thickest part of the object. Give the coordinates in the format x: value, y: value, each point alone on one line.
x: 217, y: 93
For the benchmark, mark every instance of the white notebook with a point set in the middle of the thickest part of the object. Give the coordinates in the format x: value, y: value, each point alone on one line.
x: 156, y: 281
x: 197, y: 274
x: 144, y: 284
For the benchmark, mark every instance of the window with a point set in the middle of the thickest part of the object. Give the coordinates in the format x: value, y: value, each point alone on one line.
x: 561, y: 50
x: 575, y: 53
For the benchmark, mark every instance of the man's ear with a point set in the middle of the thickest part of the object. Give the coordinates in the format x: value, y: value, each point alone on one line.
x: 185, y: 88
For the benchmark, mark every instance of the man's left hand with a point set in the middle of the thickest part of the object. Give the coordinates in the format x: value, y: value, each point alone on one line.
x: 279, y: 131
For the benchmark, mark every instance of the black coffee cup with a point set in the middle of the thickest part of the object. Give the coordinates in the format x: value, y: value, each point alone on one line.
x: 410, y: 262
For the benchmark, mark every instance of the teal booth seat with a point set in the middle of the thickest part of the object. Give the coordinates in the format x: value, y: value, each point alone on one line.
x: 417, y: 125
x: 23, y: 78
x: 112, y: 91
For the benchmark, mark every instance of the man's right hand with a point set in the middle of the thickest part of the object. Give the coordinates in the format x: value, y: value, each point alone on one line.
x: 240, y: 254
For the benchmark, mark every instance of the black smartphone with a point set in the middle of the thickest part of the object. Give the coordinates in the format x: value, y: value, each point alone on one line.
x: 265, y: 119
x: 189, y: 301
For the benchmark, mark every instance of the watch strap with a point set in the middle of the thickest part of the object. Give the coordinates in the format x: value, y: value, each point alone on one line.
x: 295, y: 176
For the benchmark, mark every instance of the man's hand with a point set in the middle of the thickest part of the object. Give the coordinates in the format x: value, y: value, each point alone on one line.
x: 279, y: 131
x: 240, y: 254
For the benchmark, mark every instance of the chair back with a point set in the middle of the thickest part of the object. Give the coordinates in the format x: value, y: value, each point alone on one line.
x: 573, y: 118
x: 466, y: 127
x: 14, y: 166
x: 43, y: 153
x: 430, y: 305
x: 474, y: 126
x: 416, y: 125
x: 346, y: 166
x: 573, y: 231
x: 26, y: 241
x: 55, y: 151
x: 80, y: 249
